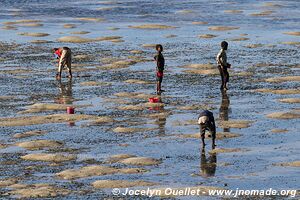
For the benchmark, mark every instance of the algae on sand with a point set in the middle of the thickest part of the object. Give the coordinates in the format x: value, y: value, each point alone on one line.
x: 289, y: 164
x: 29, y: 134
x: 219, y: 135
x: 140, y: 161
x: 39, y: 144
x: 235, y: 124
x: 49, y: 157
x: 223, y: 28
x: 290, y: 100
x: 34, y: 34
x: 284, y: 115
x: 39, y: 191
x: 96, y: 170
x: 152, y: 26
x: 283, y: 79
x: 278, y: 91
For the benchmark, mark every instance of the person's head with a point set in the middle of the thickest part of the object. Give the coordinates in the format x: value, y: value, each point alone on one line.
x: 54, y: 50
x: 159, y: 48
x: 224, y: 45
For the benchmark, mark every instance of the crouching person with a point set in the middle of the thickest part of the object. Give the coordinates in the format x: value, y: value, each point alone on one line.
x: 207, y: 122
x: 64, y: 55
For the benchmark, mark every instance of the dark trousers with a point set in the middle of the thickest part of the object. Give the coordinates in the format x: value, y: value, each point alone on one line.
x: 204, y: 127
x: 224, y: 75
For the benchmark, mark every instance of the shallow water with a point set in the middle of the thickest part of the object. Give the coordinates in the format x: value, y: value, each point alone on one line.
x: 181, y: 157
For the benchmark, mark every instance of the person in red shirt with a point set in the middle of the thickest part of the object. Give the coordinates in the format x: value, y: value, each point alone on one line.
x: 64, y: 56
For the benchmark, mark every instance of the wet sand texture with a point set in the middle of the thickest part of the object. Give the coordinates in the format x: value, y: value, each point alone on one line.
x: 32, y: 25
x: 282, y: 91
x: 290, y: 100
x: 289, y: 164
x: 78, y: 39
x: 120, y: 184
x: 118, y: 157
x: 152, y: 26
x: 284, y: 115
x: 135, y: 81
x: 40, y: 191
x: 136, y: 51
x: 223, y: 28
x: 23, y: 21
x: 283, y: 79
x: 96, y: 171
x: 41, y: 107
x: 263, y: 13
x: 7, y: 182
x: 219, y: 135
x: 235, y: 124
x: 69, y: 26
x: 296, y: 33
x: 39, y: 144
x: 34, y: 34
x: 199, y: 23
x: 207, y: 36
x: 253, y: 46
x: 94, y: 83
x: 279, y: 130
x: 49, y: 157
x: 140, y: 161
x: 40, y: 41
x: 29, y: 134
x: 184, y: 11
x: 80, y: 32
x: 91, y: 19
x: 233, y: 11
x: 226, y: 150
x: 130, y: 129
x: 239, y: 39
x: 31, y: 120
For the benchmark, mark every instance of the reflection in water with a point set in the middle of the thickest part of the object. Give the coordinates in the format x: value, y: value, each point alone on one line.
x: 161, y: 119
x: 224, y: 109
x: 65, y: 93
x: 208, y: 165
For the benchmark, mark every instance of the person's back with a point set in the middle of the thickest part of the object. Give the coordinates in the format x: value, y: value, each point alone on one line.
x: 207, y: 122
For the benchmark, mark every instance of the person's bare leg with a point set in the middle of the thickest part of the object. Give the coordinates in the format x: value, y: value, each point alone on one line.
x: 70, y: 73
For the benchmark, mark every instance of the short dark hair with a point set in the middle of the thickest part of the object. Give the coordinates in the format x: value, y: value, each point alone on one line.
x: 159, y: 46
x: 224, y: 44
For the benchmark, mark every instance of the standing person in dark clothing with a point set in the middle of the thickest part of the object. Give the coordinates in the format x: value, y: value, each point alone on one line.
x: 160, y: 66
x: 206, y: 121
x: 223, y: 65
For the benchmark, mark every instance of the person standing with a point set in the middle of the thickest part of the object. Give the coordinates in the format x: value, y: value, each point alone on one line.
x: 223, y: 65
x: 160, y: 66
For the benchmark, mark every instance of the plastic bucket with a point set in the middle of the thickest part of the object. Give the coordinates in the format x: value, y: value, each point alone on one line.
x: 70, y: 110
x: 154, y: 100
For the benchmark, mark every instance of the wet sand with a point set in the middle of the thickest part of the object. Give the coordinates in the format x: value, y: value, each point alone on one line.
x: 116, y: 137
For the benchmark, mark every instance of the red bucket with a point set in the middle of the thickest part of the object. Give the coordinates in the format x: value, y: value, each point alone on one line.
x: 70, y: 110
x: 154, y: 100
